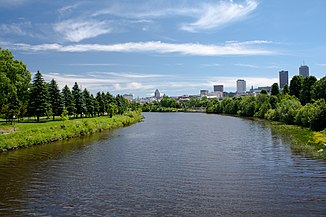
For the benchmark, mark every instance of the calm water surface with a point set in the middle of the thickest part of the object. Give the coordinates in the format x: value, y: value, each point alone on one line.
x: 172, y: 164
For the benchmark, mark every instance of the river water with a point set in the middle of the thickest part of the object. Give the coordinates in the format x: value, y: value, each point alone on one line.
x: 172, y: 164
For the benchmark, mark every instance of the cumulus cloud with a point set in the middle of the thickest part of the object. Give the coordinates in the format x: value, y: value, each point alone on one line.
x: 78, y: 30
x: 155, y: 47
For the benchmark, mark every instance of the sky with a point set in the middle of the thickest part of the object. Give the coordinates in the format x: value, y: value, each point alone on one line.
x: 176, y: 46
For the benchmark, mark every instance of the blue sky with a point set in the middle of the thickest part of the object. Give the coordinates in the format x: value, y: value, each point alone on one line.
x: 178, y: 47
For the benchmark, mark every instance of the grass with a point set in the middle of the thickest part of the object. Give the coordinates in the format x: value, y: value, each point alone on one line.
x: 22, y: 135
x: 302, y: 140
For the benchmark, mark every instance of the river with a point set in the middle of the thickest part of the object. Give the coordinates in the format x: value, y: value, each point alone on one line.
x: 172, y: 164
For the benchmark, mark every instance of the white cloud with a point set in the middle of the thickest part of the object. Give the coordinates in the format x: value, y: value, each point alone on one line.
x: 222, y: 13
x: 20, y: 29
x: 256, y: 66
x: 247, y: 65
x: 206, y: 15
x: 321, y: 64
x: 129, y: 75
x: 132, y: 86
x: 154, y: 47
x: 78, y: 30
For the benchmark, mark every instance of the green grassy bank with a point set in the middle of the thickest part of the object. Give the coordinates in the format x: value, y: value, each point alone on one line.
x: 302, y: 140
x: 28, y: 134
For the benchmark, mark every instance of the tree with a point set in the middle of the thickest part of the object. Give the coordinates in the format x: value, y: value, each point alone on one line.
x: 68, y: 100
x: 318, y: 121
x: 319, y: 89
x: 306, y: 92
x: 263, y: 92
x: 56, y: 101
x: 296, y: 86
x: 285, y: 89
x: 89, y: 102
x: 14, y: 83
x: 121, y: 104
x: 287, y: 109
x: 275, y: 89
x: 38, y: 102
x: 79, y: 100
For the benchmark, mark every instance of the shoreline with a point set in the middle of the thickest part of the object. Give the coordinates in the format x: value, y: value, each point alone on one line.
x: 30, y: 134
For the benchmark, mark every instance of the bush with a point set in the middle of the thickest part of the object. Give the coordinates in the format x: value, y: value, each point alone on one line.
x: 318, y: 121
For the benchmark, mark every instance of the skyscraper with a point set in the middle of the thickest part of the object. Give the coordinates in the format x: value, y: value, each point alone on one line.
x: 304, y: 71
x: 219, y: 88
x: 284, y: 78
x: 241, y: 86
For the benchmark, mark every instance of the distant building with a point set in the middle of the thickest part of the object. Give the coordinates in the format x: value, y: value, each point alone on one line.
x: 284, y: 78
x: 215, y: 94
x: 304, y: 71
x: 218, y: 88
x: 129, y: 96
x: 267, y: 88
x: 157, y: 94
x: 203, y: 93
x: 241, y: 86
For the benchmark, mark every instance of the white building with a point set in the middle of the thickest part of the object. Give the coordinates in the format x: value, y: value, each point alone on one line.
x: 129, y: 97
x: 241, y: 86
x: 203, y: 93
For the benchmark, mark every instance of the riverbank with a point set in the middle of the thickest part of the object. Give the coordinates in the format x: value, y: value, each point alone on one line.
x: 28, y: 134
x: 302, y: 140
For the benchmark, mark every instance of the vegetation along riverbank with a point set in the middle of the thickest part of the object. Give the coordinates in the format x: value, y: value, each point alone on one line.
x: 27, y: 134
x: 38, y: 112
x: 299, y: 110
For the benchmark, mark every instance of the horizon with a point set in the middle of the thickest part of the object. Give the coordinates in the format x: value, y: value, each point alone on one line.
x: 177, y: 47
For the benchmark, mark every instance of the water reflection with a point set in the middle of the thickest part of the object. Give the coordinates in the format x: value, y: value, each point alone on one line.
x: 170, y: 165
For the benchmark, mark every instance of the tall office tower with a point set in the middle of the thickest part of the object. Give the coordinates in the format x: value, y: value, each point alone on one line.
x: 284, y: 78
x: 241, y: 86
x: 218, y: 88
x: 304, y: 71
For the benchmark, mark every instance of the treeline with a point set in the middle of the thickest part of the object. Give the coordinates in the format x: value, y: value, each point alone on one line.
x: 301, y: 103
x: 21, y: 98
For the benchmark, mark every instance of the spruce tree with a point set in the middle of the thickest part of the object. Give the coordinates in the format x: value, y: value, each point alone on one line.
x: 78, y: 99
x: 56, y: 101
x: 89, y: 102
x: 38, y: 102
x: 68, y: 100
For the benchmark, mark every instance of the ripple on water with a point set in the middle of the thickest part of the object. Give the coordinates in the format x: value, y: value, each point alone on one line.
x: 170, y: 165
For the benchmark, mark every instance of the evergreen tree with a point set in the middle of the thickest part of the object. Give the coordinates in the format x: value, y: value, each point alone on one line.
x: 121, y: 104
x: 68, y: 100
x: 89, y: 103
x: 296, y: 86
x: 275, y: 89
x: 38, y: 102
x: 96, y: 107
x: 56, y: 100
x: 306, y: 92
x: 78, y: 99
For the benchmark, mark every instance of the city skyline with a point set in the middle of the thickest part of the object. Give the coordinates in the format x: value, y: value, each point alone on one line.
x: 176, y: 47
